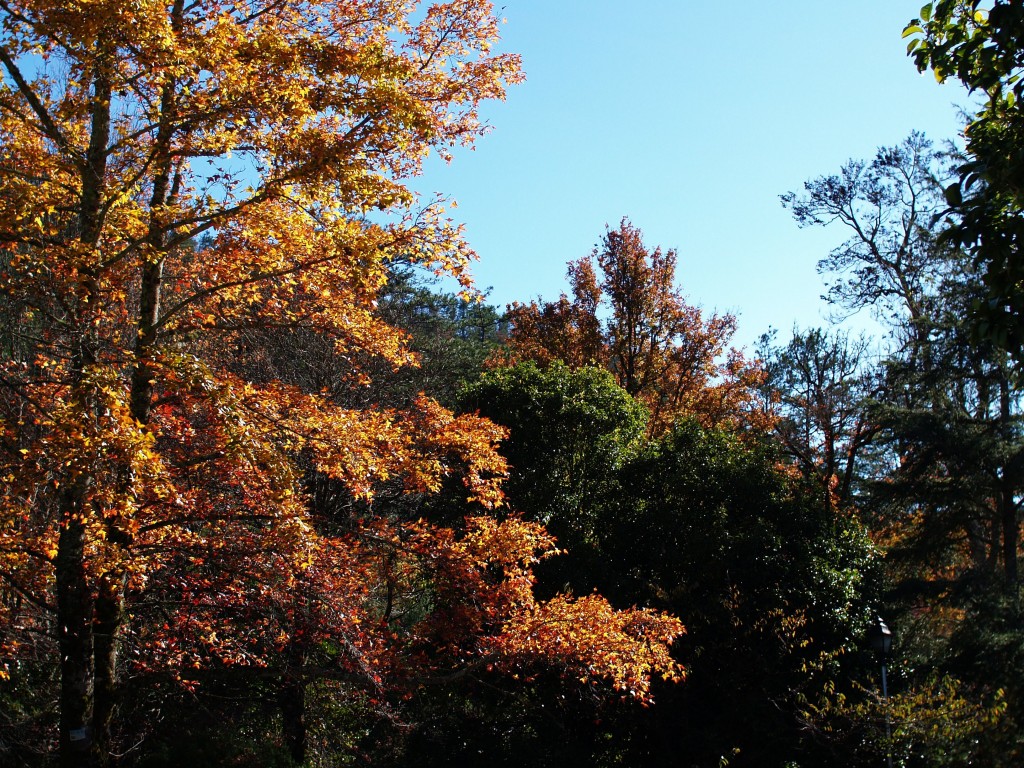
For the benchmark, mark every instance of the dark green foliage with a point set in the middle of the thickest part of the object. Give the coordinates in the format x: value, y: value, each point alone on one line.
x: 769, y: 582
x: 493, y: 723
x: 232, y: 717
x: 980, y: 44
x: 944, y: 489
x: 767, y: 578
x: 570, y: 433
x: 28, y: 715
x: 987, y: 651
x: 453, y: 336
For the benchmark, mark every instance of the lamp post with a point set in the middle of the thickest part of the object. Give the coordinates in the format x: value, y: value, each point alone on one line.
x: 881, y: 641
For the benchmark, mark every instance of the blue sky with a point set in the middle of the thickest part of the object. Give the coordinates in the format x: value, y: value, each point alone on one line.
x: 690, y: 119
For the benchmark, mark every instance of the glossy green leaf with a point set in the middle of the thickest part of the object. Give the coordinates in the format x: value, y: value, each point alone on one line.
x: 953, y: 195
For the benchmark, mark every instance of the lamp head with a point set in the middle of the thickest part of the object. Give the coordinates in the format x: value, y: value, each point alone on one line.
x: 881, y: 637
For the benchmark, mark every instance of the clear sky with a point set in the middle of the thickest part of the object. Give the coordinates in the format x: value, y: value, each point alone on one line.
x: 690, y: 119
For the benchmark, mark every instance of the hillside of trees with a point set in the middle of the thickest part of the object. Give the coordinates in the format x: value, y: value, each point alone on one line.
x: 273, y: 496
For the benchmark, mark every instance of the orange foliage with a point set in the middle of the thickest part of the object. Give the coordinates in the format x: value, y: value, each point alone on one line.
x: 488, y: 612
x: 175, y: 175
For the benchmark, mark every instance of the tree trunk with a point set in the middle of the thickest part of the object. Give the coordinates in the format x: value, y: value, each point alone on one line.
x: 1007, y: 505
x: 142, y: 385
x: 292, y: 700
x: 74, y: 598
x: 75, y: 637
x: 106, y: 643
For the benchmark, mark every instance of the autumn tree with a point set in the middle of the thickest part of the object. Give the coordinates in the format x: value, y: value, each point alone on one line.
x: 175, y: 176
x: 627, y: 315
x: 449, y: 335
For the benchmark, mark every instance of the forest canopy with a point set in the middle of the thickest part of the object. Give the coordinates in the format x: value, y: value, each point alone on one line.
x: 274, y: 495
